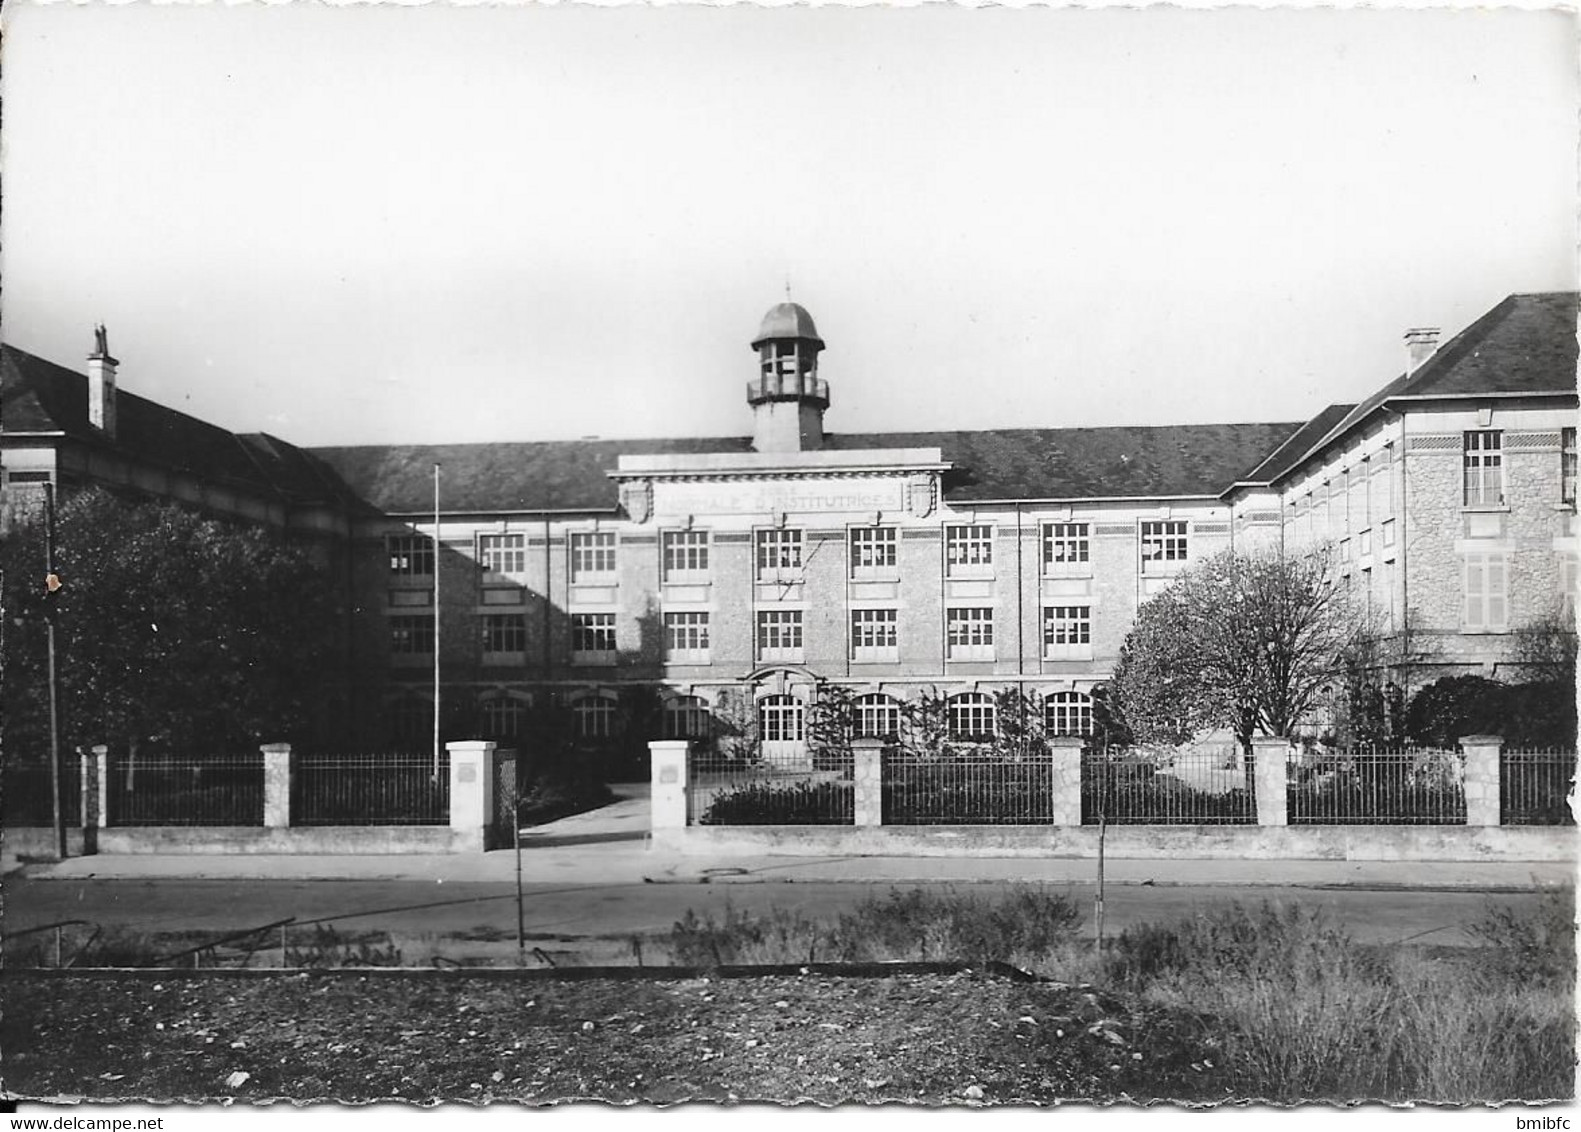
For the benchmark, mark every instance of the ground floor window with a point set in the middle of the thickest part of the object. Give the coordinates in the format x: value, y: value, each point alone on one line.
x: 687, y: 717
x: 971, y: 717
x: 1068, y: 713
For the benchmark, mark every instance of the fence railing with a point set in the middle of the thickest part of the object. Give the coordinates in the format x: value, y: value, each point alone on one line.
x: 164, y: 789
x: 1535, y: 787
x: 967, y: 788
x: 1192, y: 786
x: 769, y: 789
x: 1378, y: 786
x: 381, y: 789
x: 26, y: 794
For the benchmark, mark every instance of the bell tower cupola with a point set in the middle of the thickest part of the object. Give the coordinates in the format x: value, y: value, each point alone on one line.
x: 788, y: 397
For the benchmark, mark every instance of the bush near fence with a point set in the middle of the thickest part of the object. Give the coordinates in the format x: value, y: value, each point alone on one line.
x: 1535, y: 787
x: 802, y: 802
x: 27, y: 795
x: 202, y: 790
x: 1373, y: 786
x: 1188, y: 787
x: 966, y: 787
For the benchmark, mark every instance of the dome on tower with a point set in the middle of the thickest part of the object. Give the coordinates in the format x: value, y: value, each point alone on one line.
x: 787, y: 320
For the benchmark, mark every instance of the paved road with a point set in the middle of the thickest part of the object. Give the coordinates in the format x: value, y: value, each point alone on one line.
x: 594, y: 922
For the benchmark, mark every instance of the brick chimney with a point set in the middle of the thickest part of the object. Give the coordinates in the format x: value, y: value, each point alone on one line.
x: 101, y: 384
x: 1420, y: 344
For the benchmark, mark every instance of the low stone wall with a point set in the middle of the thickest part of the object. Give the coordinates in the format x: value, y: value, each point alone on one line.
x: 343, y: 839
x: 39, y: 841
x: 1135, y: 842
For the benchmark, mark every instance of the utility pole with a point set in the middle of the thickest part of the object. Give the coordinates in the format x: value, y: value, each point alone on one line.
x: 51, y: 588
x: 436, y: 621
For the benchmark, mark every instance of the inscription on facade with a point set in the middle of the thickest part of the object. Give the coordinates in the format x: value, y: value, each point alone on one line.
x: 771, y: 498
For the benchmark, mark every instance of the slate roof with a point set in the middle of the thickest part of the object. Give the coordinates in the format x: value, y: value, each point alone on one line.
x: 1525, y: 345
x: 39, y: 396
x: 1000, y: 464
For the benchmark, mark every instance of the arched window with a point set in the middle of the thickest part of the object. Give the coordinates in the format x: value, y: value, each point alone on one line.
x: 687, y: 717
x: 1068, y: 713
x: 502, y: 717
x: 972, y: 717
x: 595, y: 717
x: 781, y: 719
x: 409, y: 723
x: 875, y: 716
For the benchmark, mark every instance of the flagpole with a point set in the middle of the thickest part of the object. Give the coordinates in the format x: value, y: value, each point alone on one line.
x: 58, y: 815
x: 436, y: 620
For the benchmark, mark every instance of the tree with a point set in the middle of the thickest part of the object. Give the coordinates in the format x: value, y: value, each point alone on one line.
x: 1244, y: 641
x: 187, y: 633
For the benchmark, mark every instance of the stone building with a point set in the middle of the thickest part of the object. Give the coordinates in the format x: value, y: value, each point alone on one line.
x: 737, y: 573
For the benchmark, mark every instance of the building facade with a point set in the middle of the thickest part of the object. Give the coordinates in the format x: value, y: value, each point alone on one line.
x: 742, y: 573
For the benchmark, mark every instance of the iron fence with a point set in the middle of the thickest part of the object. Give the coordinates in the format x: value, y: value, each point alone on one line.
x: 1378, y: 786
x: 166, y: 789
x: 1535, y: 787
x: 967, y: 787
x: 767, y: 788
x: 27, y: 798
x: 1193, y: 786
x: 377, y: 789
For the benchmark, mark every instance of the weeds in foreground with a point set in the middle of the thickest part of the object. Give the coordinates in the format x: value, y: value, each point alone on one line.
x: 1301, y: 1011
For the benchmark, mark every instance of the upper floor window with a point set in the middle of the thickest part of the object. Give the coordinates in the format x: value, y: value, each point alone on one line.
x: 592, y: 556
x: 1567, y: 465
x: 504, y: 632
x: 685, y: 556
x: 1064, y: 545
x: 875, y: 716
x: 1484, y: 467
x: 411, y: 556
x: 686, y: 637
x: 1068, y: 713
x: 412, y: 636
x: 968, y: 549
x: 1164, y: 541
x: 971, y: 717
x: 969, y: 634
x: 504, y: 555
x: 409, y: 722
x: 687, y: 717
x: 595, y: 717
x: 874, y: 634
x: 1067, y: 629
x: 778, y: 553
x: 779, y: 634
x: 873, y: 552
x: 592, y: 637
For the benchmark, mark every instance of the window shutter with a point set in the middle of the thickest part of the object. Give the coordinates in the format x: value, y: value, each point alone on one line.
x: 1496, y: 602
x: 1474, y: 617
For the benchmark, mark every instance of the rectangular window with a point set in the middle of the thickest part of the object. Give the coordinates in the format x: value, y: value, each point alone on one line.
x: 968, y: 549
x: 1067, y: 630
x: 969, y: 634
x: 1386, y: 597
x: 411, y: 556
x: 592, y: 637
x: 779, y: 555
x: 874, y: 634
x: 504, y: 632
x: 779, y: 634
x: 685, y: 556
x: 686, y: 638
x: 1064, y: 545
x: 1567, y: 465
x: 412, y: 636
x: 503, y: 555
x: 1484, y: 467
x: 1486, y: 594
x: 1164, y: 541
x: 873, y: 552
x: 592, y: 556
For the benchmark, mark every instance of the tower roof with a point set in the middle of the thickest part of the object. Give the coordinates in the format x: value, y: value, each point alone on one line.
x: 787, y: 320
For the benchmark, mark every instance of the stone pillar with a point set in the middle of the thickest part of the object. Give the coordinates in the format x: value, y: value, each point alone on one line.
x: 101, y: 763
x: 1270, y: 774
x: 867, y: 776
x: 667, y: 804
x: 277, y: 785
x: 472, y: 791
x: 1482, y: 777
x: 1065, y: 782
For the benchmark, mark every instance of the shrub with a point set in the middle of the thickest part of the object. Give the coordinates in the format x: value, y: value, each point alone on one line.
x: 766, y: 803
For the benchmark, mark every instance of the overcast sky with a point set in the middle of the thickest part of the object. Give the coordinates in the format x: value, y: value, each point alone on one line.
x: 381, y: 224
